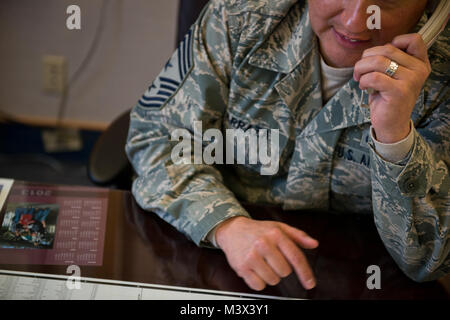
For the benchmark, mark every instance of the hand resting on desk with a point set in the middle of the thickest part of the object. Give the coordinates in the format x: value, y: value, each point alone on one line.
x: 263, y: 252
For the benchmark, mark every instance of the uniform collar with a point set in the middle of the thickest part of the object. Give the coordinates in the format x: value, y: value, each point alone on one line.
x: 288, y: 44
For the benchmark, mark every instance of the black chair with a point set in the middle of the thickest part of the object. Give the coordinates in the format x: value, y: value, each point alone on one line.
x: 108, y: 164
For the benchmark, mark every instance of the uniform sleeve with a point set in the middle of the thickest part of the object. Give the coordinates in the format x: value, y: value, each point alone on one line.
x: 394, y: 152
x: 193, y: 86
x: 411, y: 201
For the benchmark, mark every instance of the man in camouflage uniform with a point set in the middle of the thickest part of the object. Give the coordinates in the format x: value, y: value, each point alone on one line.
x: 256, y: 64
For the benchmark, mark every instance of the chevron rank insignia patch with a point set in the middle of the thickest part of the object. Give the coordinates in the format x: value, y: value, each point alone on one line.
x: 171, y: 77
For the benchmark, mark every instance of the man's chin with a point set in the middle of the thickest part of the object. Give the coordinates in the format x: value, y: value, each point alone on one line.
x: 342, y: 60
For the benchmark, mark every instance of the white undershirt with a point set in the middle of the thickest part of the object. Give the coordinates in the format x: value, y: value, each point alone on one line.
x: 333, y: 79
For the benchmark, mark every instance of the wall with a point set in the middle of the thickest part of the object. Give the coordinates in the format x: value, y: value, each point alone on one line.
x: 137, y: 39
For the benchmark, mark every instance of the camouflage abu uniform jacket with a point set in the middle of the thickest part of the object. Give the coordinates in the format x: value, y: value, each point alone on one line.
x: 255, y: 64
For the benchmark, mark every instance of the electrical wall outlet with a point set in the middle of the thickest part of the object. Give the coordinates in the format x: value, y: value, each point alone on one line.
x: 54, y: 76
x: 62, y: 140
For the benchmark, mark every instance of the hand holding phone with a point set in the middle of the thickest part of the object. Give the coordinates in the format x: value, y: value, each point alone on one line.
x: 396, y: 95
x: 433, y: 28
x: 392, y: 96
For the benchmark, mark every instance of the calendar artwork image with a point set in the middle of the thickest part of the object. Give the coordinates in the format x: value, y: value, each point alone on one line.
x: 29, y: 226
x: 53, y: 224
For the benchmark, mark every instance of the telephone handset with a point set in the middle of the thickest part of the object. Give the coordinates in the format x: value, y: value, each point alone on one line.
x: 436, y: 24
x: 433, y: 28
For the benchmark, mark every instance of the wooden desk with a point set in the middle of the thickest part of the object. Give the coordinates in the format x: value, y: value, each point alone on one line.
x: 141, y: 247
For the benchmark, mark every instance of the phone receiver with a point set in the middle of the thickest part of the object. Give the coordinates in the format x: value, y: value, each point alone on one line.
x: 433, y: 28
x: 436, y: 24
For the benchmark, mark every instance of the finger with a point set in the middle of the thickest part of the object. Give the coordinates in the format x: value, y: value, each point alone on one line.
x: 298, y: 261
x: 264, y: 271
x: 378, y: 64
x: 300, y: 237
x: 413, y: 44
x: 253, y: 280
x: 275, y: 260
x: 395, y: 54
x: 378, y: 81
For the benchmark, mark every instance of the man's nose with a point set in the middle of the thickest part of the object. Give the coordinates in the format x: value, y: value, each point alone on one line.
x: 354, y: 16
